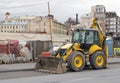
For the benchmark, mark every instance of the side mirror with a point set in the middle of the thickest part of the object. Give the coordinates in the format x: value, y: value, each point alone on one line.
x: 67, y: 41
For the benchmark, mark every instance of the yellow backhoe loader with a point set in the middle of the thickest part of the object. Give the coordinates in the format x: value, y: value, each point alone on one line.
x: 87, y: 46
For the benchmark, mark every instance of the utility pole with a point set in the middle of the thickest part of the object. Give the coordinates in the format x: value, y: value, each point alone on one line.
x: 50, y: 25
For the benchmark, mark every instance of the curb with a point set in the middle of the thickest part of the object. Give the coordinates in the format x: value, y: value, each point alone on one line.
x: 32, y: 69
x: 17, y: 70
x: 114, y: 63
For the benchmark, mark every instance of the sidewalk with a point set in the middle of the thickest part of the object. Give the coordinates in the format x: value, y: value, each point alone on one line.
x: 30, y: 66
x: 16, y: 67
x: 113, y: 60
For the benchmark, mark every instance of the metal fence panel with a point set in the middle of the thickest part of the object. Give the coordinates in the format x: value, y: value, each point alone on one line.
x: 22, y: 49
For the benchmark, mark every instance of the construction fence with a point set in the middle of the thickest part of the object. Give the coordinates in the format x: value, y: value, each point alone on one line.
x: 12, y: 51
x: 116, y: 45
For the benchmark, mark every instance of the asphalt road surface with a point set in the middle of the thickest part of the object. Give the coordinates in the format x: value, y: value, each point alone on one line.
x: 111, y: 75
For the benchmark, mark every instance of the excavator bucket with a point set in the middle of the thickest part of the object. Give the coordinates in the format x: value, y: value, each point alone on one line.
x: 51, y: 65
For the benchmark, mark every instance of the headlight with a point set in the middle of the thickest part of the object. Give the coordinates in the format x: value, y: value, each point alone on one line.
x: 62, y: 51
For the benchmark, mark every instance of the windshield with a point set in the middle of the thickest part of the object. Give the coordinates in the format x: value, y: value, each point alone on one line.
x: 78, y: 37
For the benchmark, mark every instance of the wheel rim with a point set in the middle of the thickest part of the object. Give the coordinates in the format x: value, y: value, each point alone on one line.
x: 78, y: 61
x: 99, y: 60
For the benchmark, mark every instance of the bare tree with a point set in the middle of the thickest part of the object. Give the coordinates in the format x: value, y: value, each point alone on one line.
x: 68, y: 23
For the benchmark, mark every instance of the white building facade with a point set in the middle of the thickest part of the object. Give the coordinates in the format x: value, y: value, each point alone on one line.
x: 109, y: 21
x: 35, y: 24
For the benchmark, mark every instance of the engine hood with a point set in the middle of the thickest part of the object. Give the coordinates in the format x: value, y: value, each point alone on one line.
x: 66, y: 46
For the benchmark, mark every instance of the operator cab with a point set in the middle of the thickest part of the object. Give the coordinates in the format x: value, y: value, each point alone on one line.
x: 86, y: 37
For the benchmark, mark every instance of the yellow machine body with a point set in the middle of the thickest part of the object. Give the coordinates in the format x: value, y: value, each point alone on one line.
x: 79, y: 52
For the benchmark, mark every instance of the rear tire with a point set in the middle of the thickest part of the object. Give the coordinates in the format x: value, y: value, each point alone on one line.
x: 97, y: 60
x: 76, y: 61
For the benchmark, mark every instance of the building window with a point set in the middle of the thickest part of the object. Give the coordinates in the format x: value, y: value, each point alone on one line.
x: 96, y: 10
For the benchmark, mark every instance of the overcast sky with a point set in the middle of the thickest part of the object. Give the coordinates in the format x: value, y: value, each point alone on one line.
x: 61, y: 9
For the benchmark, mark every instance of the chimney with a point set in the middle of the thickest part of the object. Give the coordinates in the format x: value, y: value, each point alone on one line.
x: 76, y: 18
x: 51, y: 16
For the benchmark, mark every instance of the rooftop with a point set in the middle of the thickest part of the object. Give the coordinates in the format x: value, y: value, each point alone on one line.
x: 12, y: 23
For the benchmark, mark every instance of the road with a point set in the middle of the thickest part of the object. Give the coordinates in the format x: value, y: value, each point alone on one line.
x: 111, y: 75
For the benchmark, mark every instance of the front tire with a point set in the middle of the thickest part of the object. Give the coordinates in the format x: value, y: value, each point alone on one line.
x: 76, y: 61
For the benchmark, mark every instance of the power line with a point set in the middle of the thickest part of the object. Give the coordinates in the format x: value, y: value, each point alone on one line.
x: 24, y: 5
x: 27, y: 9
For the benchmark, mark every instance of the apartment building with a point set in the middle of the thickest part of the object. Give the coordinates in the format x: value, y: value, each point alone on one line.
x: 97, y: 11
x: 109, y: 21
x: 112, y: 24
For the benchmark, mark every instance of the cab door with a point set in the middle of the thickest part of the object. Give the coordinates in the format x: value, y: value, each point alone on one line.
x: 91, y: 37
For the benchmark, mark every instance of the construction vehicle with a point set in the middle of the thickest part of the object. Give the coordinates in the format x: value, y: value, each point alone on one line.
x: 87, y: 46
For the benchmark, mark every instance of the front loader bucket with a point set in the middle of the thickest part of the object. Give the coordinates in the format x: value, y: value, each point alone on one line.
x: 51, y: 65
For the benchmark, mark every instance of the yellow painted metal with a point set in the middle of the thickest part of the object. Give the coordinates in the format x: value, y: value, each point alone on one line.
x: 76, y: 47
x: 102, y: 38
x: 95, y: 25
x: 94, y: 48
x: 66, y: 46
x: 67, y: 54
x: 106, y: 50
x: 99, y: 60
x: 78, y: 61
